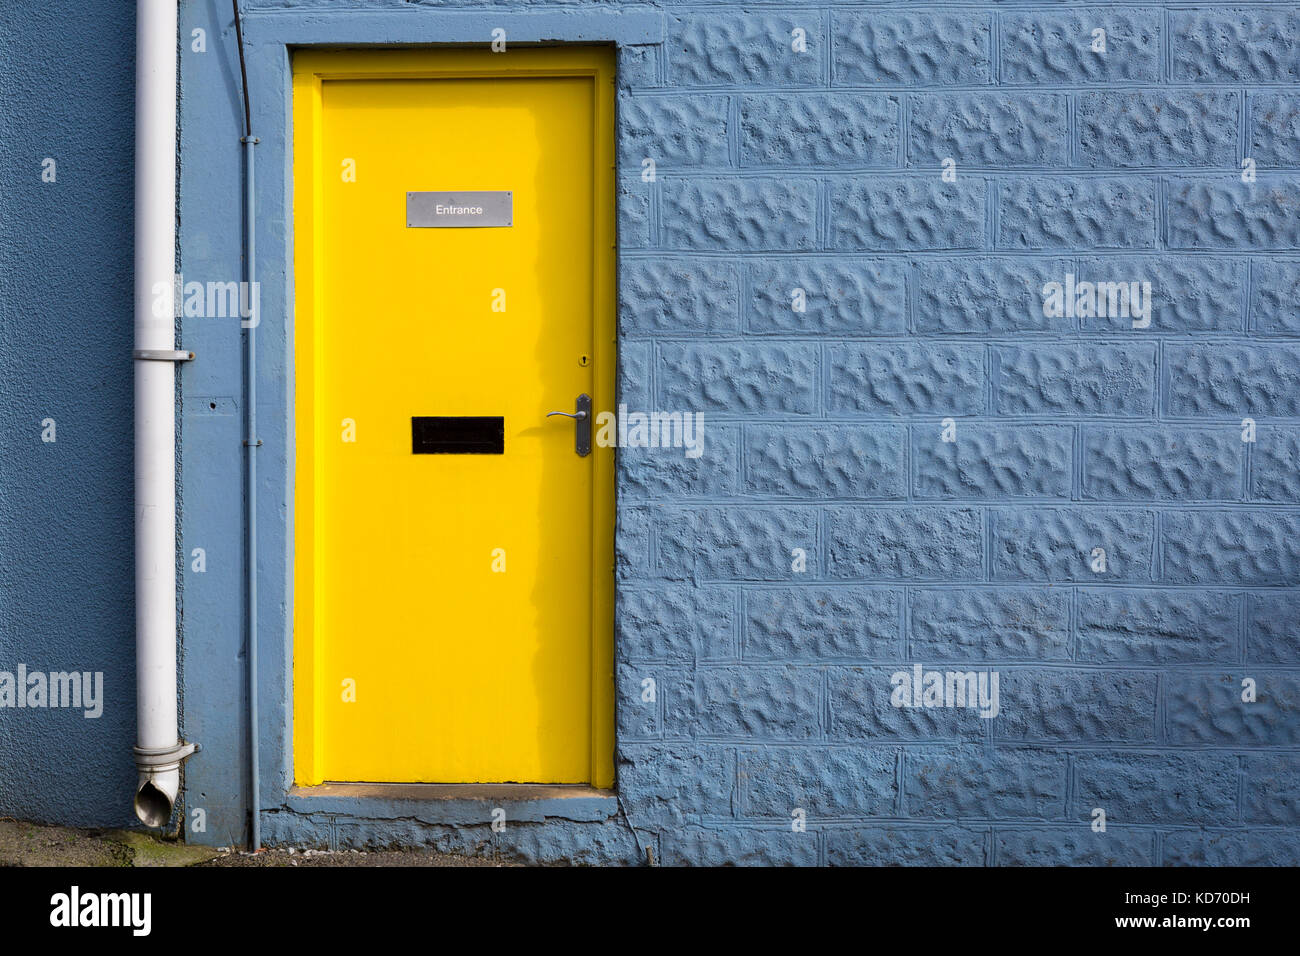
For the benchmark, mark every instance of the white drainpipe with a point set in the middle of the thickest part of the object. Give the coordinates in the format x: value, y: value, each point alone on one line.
x: 159, y: 749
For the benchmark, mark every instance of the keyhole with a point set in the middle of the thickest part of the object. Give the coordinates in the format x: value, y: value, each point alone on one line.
x: 582, y: 360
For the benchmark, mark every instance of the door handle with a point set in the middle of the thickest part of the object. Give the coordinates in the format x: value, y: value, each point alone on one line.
x: 581, y: 416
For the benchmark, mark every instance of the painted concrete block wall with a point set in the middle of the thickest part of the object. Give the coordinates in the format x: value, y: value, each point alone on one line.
x: 1120, y: 685
x: 820, y: 170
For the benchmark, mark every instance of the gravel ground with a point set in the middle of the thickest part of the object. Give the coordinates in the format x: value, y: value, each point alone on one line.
x: 35, y: 844
x: 413, y: 857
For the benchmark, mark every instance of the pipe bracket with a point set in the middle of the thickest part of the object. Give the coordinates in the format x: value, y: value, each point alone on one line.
x: 163, y: 355
x: 149, y: 759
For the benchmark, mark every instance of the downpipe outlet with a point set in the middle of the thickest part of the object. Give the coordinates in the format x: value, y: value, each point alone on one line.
x: 158, y: 781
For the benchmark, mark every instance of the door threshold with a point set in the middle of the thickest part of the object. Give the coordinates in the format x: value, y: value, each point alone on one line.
x: 458, y: 803
x: 453, y: 791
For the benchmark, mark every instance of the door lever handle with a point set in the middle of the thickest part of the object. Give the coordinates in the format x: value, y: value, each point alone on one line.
x: 581, y: 416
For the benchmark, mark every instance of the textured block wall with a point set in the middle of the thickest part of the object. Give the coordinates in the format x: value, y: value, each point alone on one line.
x: 1120, y: 688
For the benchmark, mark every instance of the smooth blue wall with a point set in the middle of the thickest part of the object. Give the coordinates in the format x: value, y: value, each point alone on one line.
x: 67, y: 592
x: 1120, y: 690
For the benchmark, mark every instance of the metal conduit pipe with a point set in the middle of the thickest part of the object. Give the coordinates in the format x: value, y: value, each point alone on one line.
x: 251, y: 442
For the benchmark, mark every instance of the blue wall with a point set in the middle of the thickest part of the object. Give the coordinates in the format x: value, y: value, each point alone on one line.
x: 1120, y: 689
x: 67, y: 593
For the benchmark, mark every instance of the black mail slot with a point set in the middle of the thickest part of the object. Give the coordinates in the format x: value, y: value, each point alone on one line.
x: 458, y: 435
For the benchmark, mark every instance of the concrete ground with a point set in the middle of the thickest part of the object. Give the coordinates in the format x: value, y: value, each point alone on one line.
x: 35, y: 844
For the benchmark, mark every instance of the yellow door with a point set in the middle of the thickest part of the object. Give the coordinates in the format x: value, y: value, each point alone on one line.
x: 454, y: 550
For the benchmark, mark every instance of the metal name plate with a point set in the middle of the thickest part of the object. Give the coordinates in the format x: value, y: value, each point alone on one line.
x: 459, y: 210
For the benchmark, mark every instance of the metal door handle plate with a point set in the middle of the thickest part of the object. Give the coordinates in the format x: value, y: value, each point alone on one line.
x: 581, y: 416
